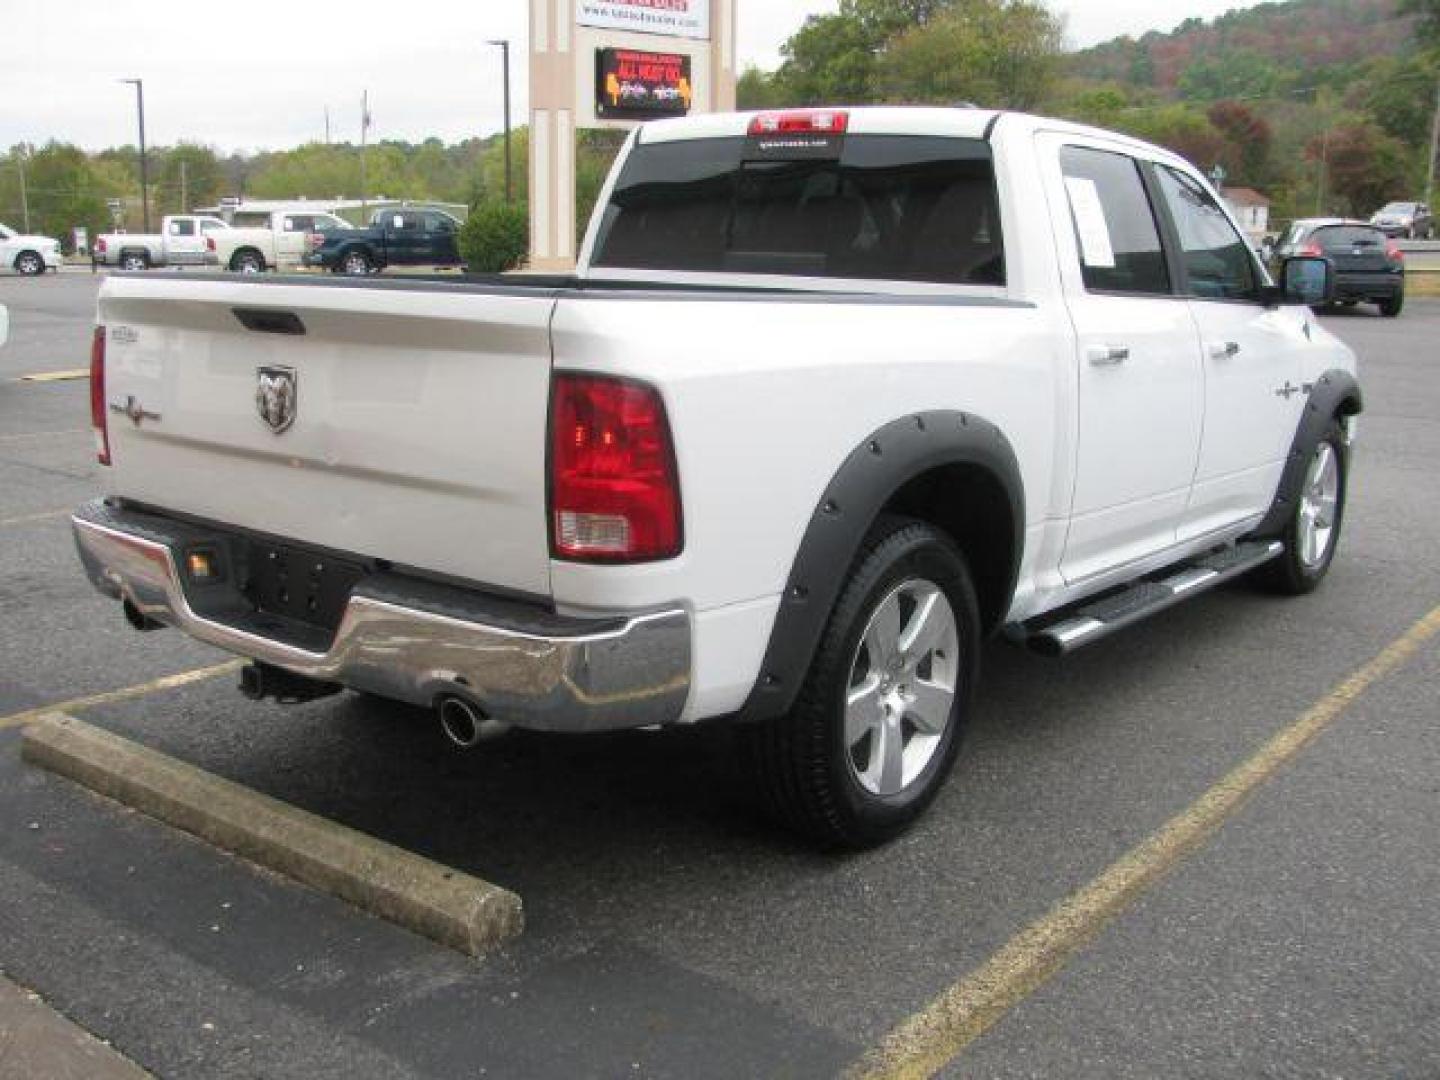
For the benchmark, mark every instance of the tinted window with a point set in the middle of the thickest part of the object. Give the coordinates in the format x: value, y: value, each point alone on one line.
x: 1115, y: 228
x: 253, y: 219
x: 1218, y: 262
x: 1348, y: 237
x: 890, y: 207
x: 183, y: 227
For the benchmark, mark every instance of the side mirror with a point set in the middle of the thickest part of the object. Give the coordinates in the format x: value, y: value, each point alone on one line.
x: 1306, y: 279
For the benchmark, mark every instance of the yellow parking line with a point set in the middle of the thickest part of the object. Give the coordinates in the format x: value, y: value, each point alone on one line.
x: 43, y: 434
x: 25, y: 519
x: 169, y: 682
x: 57, y: 376
x: 927, y: 1041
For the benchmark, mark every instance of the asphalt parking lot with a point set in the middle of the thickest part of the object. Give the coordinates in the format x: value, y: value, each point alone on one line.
x: 671, y: 930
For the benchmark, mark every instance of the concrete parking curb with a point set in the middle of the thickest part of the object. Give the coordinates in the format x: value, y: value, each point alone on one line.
x: 37, y: 1041
x: 446, y: 905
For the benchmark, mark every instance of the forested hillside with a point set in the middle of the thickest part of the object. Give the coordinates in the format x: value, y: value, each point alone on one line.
x: 1265, y: 49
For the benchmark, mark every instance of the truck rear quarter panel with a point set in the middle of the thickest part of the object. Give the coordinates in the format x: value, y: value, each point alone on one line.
x: 766, y: 398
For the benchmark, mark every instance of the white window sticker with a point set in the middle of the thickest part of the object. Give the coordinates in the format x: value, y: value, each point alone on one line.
x: 1095, y: 248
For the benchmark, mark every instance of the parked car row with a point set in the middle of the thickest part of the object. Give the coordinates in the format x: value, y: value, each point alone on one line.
x: 407, y: 237
x: 202, y: 240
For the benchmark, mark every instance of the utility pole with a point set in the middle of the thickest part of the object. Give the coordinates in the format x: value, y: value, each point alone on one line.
x: 24, y: 199
x: 505, y: 61
x: 184, y: 190
x: 1434, y: 149
x: 139, y: 85
x: 1320, y: 180
x: 327, y: 125
x: 364, y: 128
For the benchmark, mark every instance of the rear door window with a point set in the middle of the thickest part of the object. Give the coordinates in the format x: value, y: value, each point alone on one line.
x: 882, y: 207
x: 1115, y: 229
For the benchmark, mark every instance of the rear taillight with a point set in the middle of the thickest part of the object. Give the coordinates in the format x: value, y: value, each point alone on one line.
x: 99, y: 419
x: 800, y: 122
x: 209, y: 243
x: 614, y: 491
x: 316, y: 239
x: 1393, y: 252
x: 1312, y: 249
x: 100, y: 245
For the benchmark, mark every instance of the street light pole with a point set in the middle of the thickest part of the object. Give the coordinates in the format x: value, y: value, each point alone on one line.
x: 139, y: 85
x: 505, y: 60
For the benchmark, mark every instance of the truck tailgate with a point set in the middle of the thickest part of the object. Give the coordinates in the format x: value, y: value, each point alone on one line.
x: 416, y: 433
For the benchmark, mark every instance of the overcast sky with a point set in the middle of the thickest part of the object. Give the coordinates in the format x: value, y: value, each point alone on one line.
x: 261, y: 73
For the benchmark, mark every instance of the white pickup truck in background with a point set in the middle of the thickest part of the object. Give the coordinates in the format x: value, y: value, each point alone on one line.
x: 832, y: 397
x: 201, y: 240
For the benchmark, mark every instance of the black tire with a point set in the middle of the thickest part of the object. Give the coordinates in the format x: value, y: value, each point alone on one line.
x: 29, y: 264
x: 134, y: 260
x: 1392, y: 306
x: 807, y: 773
x: 247, y: 261
x: 1291, y: 574
x: 356, y: 263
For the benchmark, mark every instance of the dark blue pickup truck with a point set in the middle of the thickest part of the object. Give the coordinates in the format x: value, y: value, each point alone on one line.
x: 403, y: 237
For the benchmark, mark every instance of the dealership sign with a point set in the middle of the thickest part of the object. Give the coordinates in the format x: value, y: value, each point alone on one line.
x: 674, y: 18
x: 631, y: 85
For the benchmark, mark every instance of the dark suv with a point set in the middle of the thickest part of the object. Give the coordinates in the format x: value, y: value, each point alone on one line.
x: 403, y: 237
x: 1368, y: 265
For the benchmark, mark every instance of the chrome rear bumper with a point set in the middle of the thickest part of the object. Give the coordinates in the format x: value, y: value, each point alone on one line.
x: 413, y: 640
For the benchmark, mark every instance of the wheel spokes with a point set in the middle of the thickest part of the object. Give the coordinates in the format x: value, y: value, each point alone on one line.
x: 864, y: 711
x: 929, y: 621
x: 889, y: 751
x: 929, y: 707
x: 883, y: 634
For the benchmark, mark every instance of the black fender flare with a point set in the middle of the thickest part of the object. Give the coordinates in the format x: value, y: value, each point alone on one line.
x: 1335, y: 393
x: 873, y: 472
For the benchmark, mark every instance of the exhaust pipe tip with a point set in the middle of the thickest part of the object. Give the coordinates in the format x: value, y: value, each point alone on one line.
x: 140, y: 621
x: 466, y: 725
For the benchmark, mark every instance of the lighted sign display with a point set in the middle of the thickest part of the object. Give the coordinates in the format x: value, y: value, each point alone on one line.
x: 673, y: 18
x: 631, y: 85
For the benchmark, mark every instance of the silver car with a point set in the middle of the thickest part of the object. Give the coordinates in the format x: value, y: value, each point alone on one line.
x: 1411, y: 220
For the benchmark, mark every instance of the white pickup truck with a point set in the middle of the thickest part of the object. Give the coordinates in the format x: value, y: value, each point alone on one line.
x: 201, y: 240
x: 832, y: 397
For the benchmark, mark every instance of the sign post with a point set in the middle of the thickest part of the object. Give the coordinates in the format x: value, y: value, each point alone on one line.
x: 613, y: 64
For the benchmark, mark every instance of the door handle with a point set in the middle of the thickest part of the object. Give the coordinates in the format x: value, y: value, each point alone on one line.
x: 1223, y: 350
x: 1107, y: 355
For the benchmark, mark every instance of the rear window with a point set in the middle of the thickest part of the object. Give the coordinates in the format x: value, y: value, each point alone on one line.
x: 1347, y: 237
x: 889, y: 207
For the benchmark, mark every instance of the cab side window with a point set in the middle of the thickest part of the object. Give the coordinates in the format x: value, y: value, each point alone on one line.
x: 1218, y: 262
x: 183, y: 227
x: 1115, y: 229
